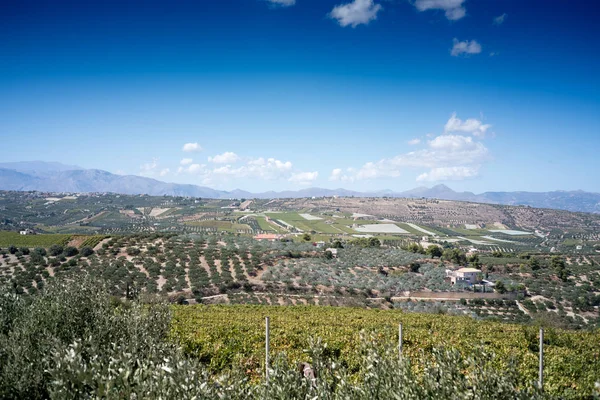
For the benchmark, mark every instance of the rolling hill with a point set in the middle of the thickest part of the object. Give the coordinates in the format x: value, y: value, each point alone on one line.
x: 57, y: 177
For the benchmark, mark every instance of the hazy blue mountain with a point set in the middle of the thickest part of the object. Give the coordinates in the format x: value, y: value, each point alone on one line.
x: 94, y: 180
x: 57, y: 177
x: 15, y: 180
x: 564, y: 200
x: 438, y: 192
x: 38, y: 167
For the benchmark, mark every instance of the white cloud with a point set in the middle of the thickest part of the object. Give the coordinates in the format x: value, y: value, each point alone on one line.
x: 196, y: 168
x: 258, y: 168
x: 191, y: 147
x: 380, y: 169
x: 471, y: 125
x: 449, y: 174
x: 226, y: 158
x: 186, y: 161
x: 355, y: 13
x: 148, y: 169
x: 453, y: 8
x: 500, y: 19
x: 414, y: 141
x: 336, y: 174
x: 164, y: 171
x: 304, y: 178
x: 283, y: 3
x: 465, y: 47
x: 445, y: 156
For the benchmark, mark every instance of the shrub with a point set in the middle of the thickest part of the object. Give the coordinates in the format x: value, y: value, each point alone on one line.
x: 415, y: 266
x: 40, y: 250
x: 86, y: 251
x: 47, y: 346
x: 70, y: 251
x: 55, y: 250
x: 133, y: 251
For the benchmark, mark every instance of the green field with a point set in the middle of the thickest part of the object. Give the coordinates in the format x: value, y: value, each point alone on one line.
x: 219, y: 225
x: 265, y: 226
x: 418, y: 232
x: 226, y: 335
x: 16, y: 239
x: 345, y: 229
x: 294, y: 219
x: 339, y: 225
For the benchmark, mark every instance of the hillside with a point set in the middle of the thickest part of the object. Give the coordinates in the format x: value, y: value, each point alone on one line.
x: 56, y: 177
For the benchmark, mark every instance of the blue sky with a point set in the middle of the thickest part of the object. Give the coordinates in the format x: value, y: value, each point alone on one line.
x: 363, y: 94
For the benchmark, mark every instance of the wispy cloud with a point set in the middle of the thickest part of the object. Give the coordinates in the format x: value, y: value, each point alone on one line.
x: 449, y: 174
x: 191, y: 147
x: 268, y: 169
x: 149, y: 169
x: 281, y: 3
x: 355, y: 13
x: 338, y: 174
x: 186, y: 161
x: 164, y: 172
x: 471, y: 125
x: 445, y: 151
x: 499, y: 20
x: 448, y: 156
x: 453, y: 9
x: 414, y: 141
x: 465, y: 47
x: 226, y: 158
x: 304, y: 178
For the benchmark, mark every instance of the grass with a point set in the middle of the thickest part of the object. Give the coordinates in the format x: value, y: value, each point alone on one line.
x: 293, y: 219
x: 322, y: 227
x: 345, y: 229
x: 266, y: 226
x: 342, y: 224
x: 339, y: 226
x: 470, y: 232
x: 16, y: 239
x: 418, y: 232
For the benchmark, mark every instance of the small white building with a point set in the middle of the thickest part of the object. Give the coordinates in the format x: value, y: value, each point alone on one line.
x: 467, y: 275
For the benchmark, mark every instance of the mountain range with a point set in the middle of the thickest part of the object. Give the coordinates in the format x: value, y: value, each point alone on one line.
x: 57, y: 177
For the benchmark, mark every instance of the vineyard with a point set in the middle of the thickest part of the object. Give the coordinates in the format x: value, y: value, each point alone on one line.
x: 92, y: 241
x: 16, y: 239
x: 223, y: 336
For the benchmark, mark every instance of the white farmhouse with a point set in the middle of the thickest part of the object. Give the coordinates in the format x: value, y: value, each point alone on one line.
x: 467, y: 275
